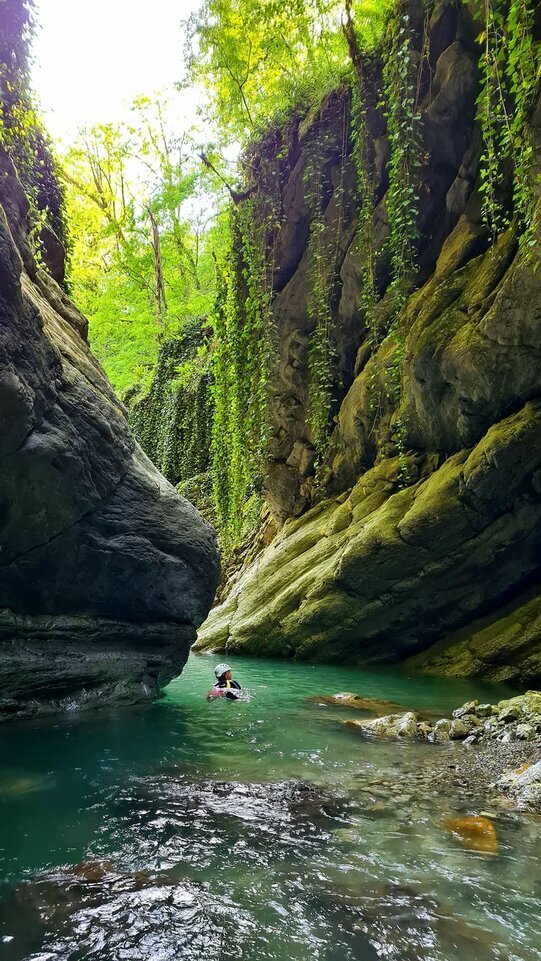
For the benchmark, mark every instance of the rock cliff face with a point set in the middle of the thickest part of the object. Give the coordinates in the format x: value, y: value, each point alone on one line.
x: 105, y: 572
x: 427, y: 529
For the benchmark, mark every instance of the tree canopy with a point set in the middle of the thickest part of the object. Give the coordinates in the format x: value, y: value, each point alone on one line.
x: 140, y: 205
x: 21, y: 129
x: 257, y: 59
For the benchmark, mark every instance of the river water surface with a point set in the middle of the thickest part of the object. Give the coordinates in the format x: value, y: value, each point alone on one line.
x: 263, y: 830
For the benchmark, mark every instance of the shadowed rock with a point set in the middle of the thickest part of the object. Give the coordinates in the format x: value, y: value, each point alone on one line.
x: 105, y: 572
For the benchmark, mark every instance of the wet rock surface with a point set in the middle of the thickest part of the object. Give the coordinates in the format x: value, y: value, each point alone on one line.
x: 148, y: 901
x: 492, y: 776
x: 347, y: 699
x: 524, y: 786
x: 391, y: 725
x: 99, y: 909
x: 404, y: 923
x: 513, y: 719
x: 475, y: 832
x: 274, y: 813
x: 105, y: 572
x: 96, y: 911
x: 453, y: 793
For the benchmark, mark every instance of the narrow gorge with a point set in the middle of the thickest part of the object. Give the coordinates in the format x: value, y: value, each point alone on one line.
x: 270, y: 480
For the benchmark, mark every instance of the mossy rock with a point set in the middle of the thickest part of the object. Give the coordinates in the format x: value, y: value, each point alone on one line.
x: 390, y: 571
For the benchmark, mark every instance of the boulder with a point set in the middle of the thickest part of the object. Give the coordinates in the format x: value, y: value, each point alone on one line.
x: 524, y: 704
x: 510, y: 713
x: 471, y: 721
x: 347, y: 699
x: 470, y: 707
x: 491, y: 726
x: 105, y: 572
x: 392, y: 725
x: 507, y: 736
x: 442, y: 731
x: 458, y: 729
x: 485, y: 710
x: 524, y: 786
x: 525, y: 732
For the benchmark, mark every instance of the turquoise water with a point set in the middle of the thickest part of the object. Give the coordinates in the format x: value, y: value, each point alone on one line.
x: 259, y: 830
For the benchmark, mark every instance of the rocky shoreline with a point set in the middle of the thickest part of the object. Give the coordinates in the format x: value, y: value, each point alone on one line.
x: 515, y: 719
x: 506, y: 765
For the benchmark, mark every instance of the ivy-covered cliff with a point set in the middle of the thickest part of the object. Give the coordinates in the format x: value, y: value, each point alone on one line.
x: 383, y: 297
x: 173, y: 421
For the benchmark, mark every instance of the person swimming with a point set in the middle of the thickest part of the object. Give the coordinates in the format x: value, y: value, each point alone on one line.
x: 225, y: 686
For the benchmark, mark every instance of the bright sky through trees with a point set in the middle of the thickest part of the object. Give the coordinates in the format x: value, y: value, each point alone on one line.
x: 93, y: 57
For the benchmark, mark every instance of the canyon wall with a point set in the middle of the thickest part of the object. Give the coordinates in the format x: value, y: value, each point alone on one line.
x: 420, y: 533
x: 105, y: 571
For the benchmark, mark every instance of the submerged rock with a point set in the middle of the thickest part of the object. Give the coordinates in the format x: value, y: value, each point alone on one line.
x: 276, y: 803
x: 475, y: 832
x: 15, y: 784
x: 105, y: 571
x: 404, y: 922
x: 347, y: 699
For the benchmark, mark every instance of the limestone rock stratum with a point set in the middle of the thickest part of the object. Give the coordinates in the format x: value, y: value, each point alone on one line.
x: 105, y: 571
x: 421, y: 536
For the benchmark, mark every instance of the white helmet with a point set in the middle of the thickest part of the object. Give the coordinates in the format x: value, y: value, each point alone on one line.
x: 221, y: 669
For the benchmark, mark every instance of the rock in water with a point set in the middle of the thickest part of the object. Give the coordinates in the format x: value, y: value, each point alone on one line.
x: 346, y: 699
x: 524, y: 785
x: 105, y: 572
x: 392, y: 725
x: 475, y: 833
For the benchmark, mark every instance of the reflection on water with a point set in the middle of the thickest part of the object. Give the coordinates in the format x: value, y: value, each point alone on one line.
x: 264, y: 830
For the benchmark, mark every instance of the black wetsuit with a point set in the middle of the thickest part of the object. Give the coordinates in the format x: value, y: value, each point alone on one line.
x: 233, y: 686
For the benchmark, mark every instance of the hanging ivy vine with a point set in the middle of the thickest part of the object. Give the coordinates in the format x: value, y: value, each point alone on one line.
x: 244, y: 337
x: 323, y: 249
x: 509, y: 64
x: 365, y: 198
x: 401, y: 111
x: 242, y: 358
x: 173, y: 422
